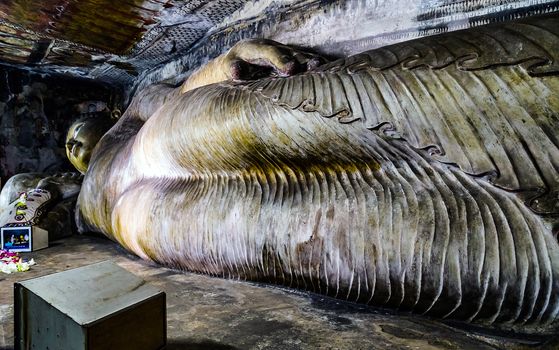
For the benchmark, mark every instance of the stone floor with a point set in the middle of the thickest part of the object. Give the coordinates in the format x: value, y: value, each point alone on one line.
x: 212, y: 313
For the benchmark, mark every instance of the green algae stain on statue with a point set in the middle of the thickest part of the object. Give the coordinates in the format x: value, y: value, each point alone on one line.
x: 421, y: 176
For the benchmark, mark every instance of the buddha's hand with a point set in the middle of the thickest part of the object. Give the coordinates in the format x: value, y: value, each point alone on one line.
x: 253, y: 59
x: 259, y: 58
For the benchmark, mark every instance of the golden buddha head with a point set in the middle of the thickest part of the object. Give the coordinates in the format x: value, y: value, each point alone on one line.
x: 83, y: 136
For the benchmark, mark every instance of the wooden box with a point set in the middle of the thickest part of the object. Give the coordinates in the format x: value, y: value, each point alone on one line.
x: 100, y: 306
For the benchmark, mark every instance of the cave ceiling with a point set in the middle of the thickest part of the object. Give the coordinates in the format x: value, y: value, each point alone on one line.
x: 135, y: 42
x: 106, y: 39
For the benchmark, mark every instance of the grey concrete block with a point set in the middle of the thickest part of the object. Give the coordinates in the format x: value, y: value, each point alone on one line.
x: 99, y: 306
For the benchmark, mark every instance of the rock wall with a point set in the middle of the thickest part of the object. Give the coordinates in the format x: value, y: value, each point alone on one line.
x: 339, y: 28
x: 35, y: 113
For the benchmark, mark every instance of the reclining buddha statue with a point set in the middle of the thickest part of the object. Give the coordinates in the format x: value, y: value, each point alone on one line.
x: 421, y: 176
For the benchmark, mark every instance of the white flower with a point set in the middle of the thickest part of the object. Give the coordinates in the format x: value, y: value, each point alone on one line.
x: 9, y: 268
x: 16, y: 267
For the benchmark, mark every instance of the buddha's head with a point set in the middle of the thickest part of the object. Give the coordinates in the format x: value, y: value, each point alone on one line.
x: 82, y: 137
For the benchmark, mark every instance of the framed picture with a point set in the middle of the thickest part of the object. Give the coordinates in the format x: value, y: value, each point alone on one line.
x: 16, y: 239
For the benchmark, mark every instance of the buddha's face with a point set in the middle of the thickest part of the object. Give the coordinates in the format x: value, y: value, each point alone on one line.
x: 81, y: 139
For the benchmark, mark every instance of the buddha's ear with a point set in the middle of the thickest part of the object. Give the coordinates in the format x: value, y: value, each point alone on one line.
x: 241, y: 70
x: 250, y: 60
x: 259, y: 58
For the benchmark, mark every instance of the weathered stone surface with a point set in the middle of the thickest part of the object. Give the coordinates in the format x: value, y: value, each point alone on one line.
x: 338, y: 28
